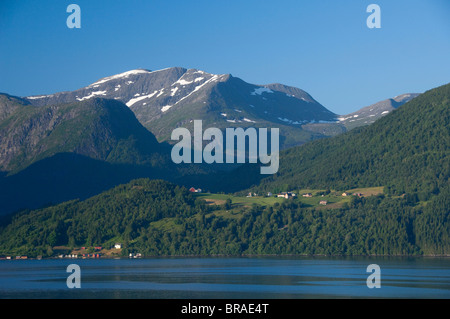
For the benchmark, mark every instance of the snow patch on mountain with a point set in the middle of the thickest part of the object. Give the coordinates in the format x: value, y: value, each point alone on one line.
x: 297, y: 122
x: 92, y: 95
x: 161, y: 92
x: 213, y: 78
x: 137, y: 99
x: 38, y: 97
x: 121, y: 75
x: 166, y: 108
x: 173, y: 91
x: 182, y: 82
x: 261, y: 90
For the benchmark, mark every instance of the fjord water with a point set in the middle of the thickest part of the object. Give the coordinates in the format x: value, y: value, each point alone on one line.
x: 252, y: 277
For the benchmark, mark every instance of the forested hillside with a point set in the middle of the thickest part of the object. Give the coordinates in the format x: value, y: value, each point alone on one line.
x: 157, y: 218
x: 407, y: 151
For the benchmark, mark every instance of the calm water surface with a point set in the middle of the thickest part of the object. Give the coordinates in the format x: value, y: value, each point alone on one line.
x: 258, y: 277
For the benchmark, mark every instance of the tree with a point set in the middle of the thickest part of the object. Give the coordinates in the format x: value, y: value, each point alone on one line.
x: 227, y: 204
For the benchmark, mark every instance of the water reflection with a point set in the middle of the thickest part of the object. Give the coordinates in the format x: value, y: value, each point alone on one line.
x: 258, y: 277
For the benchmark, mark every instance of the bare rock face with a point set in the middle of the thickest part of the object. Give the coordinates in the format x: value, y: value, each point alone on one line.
x: 165, y: 99
x: 93, y: 128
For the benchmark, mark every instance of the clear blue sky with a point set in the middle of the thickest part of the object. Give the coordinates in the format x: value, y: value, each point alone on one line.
x: 322, y: 47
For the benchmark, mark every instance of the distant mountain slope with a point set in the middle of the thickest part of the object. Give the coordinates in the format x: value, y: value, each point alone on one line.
x: 369, y: 114
x: 55, y: 153
x: 364, y: 116
x: 9, y: 104
x: 98, y: 128
x: 60, y: 152
x: 165, y: 99
x: 406, y: 151
x: 63, y: 177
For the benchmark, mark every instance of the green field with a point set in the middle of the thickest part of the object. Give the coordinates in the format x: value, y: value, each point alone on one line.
x: 334, y: 198
x: 239, y: 201
x: 368, y: 191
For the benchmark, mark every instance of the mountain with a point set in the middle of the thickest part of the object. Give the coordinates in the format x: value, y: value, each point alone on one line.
x: 364, y: 116
x: 165, y: 99
x: 369, y: 114
x: 406, y: 151
x: 50, y: 154
x: 97, y: 128
x: 9, y: 104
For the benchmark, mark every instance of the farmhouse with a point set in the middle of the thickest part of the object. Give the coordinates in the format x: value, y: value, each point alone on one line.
x: 286, y: 195
x: 323, y: 202
x: 307, y: 195
x: 195, y: 190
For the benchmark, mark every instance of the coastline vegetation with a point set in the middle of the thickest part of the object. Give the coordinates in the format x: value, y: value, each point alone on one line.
x: 157, y: 218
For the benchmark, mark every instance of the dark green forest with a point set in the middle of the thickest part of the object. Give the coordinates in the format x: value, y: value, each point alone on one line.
x: 156, y: 218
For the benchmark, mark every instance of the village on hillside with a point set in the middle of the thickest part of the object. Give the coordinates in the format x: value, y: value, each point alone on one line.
x: 308, y: 197
x: 319, y: 199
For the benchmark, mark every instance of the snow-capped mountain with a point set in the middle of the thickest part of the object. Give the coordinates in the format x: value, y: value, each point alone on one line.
x: 369, y: 114
x: 165, y: 99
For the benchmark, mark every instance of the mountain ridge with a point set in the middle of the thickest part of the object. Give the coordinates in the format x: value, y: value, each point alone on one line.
x: 93, y: 128
x: 369, y: 114
x: 165, y: 99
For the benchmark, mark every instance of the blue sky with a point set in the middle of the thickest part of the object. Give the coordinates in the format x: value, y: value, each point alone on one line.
x: 322, y: 47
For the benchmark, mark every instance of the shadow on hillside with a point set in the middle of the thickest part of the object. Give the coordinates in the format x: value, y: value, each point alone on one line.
x: 68, y: 176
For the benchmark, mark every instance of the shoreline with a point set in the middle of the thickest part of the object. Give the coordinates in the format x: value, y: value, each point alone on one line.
x: 224, y: 256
